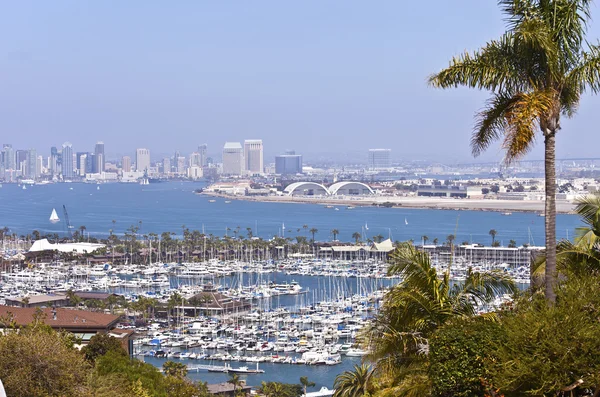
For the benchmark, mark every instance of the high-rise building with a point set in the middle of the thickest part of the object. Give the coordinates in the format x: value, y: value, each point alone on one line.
x: 253, y: 156
x: 67, y: 160
x: 203, y: 151
x: 100, y: 159
x: 21, y: 162
x: 288, y: 164
x: 233, y: 158
x: 126, y: 164
x: 195, y: 160
x: 55, y: 161
x: 82, y: 161
x: 32, y: 169
x: 181, y: 165
x: 379, y: 159
x: 9, y: 157
x: 142, y: 160
x: 166, y: 165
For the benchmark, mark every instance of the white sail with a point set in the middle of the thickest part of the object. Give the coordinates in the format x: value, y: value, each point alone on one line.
x: 405, y: 221
x: 54, y: 216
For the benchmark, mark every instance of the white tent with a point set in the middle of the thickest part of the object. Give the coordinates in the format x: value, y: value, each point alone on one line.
x: 80, y: 248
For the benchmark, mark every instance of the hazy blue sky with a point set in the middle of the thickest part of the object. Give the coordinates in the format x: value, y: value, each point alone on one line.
x: 315, y: 76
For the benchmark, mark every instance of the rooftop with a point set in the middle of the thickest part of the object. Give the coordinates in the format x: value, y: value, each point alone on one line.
x: 65, y: 318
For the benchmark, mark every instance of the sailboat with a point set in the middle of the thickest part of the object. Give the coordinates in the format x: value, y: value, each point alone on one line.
x: 54, y: 216
x: 405, y: 221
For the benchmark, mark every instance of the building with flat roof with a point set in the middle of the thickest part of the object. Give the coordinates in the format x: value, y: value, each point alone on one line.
x: 233, y: 158
x: 126, y: 164
x: 288, y: 164
x: 253, y: 156
x: 67, y: 161
x: 379, y: 159
x: 142, y: 160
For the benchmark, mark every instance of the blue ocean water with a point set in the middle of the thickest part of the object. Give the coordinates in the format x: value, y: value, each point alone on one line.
x: 171, y: 205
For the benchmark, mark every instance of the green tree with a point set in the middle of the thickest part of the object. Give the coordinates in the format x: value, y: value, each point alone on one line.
x: 355, y: 383
x: 512, y: 244
x: 335, y: 233
x: 172, y: 368
x: 306, y: 383
x: 234, y: 379
x: 356, y: 236
x: 413, y: 309
x: 99, y: 345
x: 424, y: 238
x: 313, y: 231
x: 536, y: 72
x: 493, y: 233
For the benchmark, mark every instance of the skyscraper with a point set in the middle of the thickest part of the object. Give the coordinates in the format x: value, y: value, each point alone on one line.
x: 253, y: 156
x: 166, y: 165
x: 195, y: 159
x: 21, y: 162
x: 142, y: 160
x: 32, y: 168
x: 203, y: 150
x: 100, y: 160
x: 9, y: 157
x: 181, y: 165
x: 126, y: 164
x: 54, y: 164
x: 67, y: 160
x: 233, y: 158
x: 82, y: 163
x: 379, y: 159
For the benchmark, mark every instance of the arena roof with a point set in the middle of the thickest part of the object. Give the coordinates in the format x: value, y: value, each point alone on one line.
x: 333, y: 189
x: 290, y: 189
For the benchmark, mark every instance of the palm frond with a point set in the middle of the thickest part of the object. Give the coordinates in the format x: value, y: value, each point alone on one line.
x: 586, y: 74
x: 492, y: 68
x: 491, y: 123
x: 522, y: 119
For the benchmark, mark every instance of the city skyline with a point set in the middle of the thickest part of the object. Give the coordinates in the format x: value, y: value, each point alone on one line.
x: 337, y: 81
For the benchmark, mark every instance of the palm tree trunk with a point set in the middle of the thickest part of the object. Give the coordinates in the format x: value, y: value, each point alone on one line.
x: 550, y: 173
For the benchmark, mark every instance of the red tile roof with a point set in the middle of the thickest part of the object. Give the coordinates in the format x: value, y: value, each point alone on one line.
x: 65, y: 318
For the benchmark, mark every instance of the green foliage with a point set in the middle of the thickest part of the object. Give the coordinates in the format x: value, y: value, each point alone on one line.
x: 461, y: 357
x: 99, y: 345
x: 549, y: 347
x: 113, y: 363
x: 355, y: 383
x: 178, y: 370
x: 37, y: 362
x: 277, y: 389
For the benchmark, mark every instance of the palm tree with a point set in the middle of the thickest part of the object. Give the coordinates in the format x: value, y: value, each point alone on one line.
x: 313, y: 231
x: 235, y: 380
x: 413, y: 309
x: 536, y: 72
x: 335, y: 233
x: 493, y: 233
x: 356, y: 236
x: 425, y: 239
x: 306, y: 383
x: 356, y: 383
x: 435, y: 241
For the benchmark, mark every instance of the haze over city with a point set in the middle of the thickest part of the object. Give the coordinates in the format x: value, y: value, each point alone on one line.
x: 320, y: 78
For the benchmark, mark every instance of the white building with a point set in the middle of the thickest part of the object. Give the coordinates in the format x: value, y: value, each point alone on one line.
x: 195, y: 172
x: 233, y: 158
x: 126, y: 164
x: 379, y: 159
x: 142, y: 160
x: 253, y: 156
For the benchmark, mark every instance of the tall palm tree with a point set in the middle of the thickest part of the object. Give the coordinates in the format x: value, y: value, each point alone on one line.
x: 313, y: 231
x: 306, y: 383
x: 355, y: 383
x: 425, y: 239
x: 413, y: 309
x: 335, y: 233
x: 235, y: 380
x: 493, y: 233
x: 536, y: 72
x: 356, y: 236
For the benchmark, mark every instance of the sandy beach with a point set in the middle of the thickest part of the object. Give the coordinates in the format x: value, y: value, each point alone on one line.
x: 562, y: 206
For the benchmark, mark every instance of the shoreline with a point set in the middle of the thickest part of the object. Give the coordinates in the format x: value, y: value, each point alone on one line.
x: 537, y: 206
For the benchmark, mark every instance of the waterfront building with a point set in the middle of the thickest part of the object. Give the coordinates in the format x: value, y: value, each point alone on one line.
x: 166, y: 165
x: 195, y: 172
x: 253, y: 156
x: 82, y: 163
x: 195, y: 160
x: 100, y: 160
x: 142, y: 160
x: 349, y: 188
x: 32, y: 168
x: 126, y: 164
x: 288, y: 164
x: 181, y: 165
x: 379, y: 159
x: 8, y: 157
x: 67, y: 161
x: 233, y: 158
x: 203, y: 151
x: 306, y: 189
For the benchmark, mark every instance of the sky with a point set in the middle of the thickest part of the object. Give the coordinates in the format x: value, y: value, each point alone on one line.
x: 329, y: 77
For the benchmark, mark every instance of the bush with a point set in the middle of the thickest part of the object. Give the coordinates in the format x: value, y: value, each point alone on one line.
x: 461, y: 357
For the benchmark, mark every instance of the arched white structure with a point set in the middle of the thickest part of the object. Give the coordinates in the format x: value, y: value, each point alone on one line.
x: 350, y: 188
x: 306, y: 189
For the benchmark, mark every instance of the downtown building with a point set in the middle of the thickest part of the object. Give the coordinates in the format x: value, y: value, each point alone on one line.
x: 289, y: 163
x: 379, y: 159
x: 253, y: 156
x: 67, y: 168
x: 142, y: 160
x: 233, y: 159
